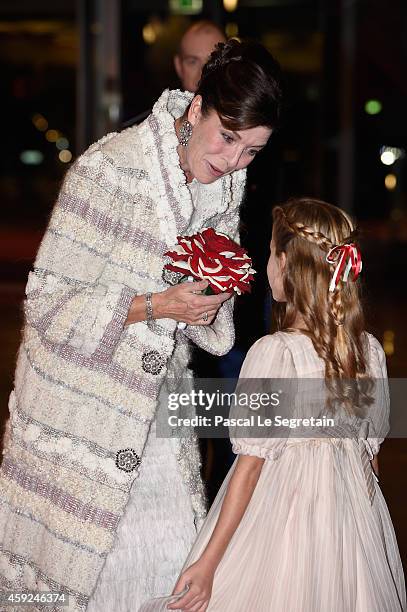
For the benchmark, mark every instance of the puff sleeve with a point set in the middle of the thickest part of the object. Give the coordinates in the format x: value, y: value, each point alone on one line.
x: 375, y: 426
x: 268, y: 360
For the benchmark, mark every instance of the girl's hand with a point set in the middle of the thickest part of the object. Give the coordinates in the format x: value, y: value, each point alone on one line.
x: 199, y: 576
x: 184, y: 302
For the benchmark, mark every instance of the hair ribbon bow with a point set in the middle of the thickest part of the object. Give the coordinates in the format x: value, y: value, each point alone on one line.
x: 347, y: 257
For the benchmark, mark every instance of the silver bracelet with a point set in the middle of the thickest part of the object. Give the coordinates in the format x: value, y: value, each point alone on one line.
x: 149, y: 307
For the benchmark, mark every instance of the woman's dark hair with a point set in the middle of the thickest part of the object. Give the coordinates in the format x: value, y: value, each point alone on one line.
x: 241, y: 81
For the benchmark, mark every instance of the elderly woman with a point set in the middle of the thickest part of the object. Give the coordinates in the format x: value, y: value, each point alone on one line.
x: 93, y: 502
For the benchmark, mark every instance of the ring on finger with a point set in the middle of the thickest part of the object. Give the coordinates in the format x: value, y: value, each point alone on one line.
x: 205, y: 317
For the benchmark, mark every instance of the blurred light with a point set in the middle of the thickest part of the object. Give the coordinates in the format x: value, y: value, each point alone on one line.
x: 230, y: 5
x: 185, y: 7
x: 152, y: 30
x: 388, y: 158
x: 62, y: 143
x: 149, y: 34
x: 52, y: 135
x: 373, y: 107
x: 389, y: 155
x: 390, y: 181
x: 388, y: 342
x: 65, y: 156
x: 232, y: 30
x: 31, y: 157
x: 40, y: 122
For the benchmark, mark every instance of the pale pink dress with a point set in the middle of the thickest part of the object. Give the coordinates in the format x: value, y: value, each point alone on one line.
x: 311, y: 540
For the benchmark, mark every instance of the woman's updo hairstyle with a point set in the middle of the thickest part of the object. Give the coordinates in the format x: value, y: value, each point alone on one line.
x: 241, y: 81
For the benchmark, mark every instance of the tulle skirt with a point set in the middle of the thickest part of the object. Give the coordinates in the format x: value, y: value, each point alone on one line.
x: 310, y: 540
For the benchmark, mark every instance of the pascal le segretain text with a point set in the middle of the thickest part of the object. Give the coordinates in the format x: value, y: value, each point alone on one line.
x: 254, y: 420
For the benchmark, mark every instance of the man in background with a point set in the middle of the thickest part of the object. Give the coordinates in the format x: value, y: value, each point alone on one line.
x: 195, y: 47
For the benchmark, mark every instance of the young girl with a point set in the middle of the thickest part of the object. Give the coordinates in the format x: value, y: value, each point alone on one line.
x: 300, y: 525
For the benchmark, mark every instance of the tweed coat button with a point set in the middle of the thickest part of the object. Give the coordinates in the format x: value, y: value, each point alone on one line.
x: 152, y: 362
x: 127, y: 459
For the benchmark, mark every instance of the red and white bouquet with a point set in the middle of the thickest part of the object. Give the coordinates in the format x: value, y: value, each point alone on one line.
x: 212, y: 256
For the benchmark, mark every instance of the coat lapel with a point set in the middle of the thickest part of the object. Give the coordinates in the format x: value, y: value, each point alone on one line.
x: 174, y: 205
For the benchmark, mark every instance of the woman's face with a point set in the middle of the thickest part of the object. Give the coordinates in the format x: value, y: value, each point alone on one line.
x: 275, y: 272
x: 213, y: 150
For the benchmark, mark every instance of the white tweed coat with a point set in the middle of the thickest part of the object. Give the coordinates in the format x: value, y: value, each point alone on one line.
x: 86, y: 387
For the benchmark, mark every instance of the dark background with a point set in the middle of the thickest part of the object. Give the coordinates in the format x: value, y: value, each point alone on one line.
x: 87, y: 67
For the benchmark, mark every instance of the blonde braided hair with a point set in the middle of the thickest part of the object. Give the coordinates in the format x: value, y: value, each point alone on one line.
x: 316, y: 237
x: 308, y: 233
x: 306, y: 230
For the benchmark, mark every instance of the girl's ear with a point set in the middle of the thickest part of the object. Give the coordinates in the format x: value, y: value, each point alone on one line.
x: 282, y: 261
x: 195, y: 111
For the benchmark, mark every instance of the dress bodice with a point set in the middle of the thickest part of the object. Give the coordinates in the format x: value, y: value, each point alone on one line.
x: 288, y: 364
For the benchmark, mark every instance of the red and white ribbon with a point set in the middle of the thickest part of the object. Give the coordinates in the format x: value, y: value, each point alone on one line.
x: 347, y: 257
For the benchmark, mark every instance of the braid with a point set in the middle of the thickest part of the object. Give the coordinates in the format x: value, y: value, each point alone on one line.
x: 315, y: 237
x: 308, y: 233
x: 332, y: 318
x: 336, y: 306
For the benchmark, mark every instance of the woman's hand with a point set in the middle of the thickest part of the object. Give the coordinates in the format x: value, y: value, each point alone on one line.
x: 200, y: 578
x: 184, y: 302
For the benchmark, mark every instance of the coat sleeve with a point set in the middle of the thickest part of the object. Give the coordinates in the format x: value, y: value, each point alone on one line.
x: 219, y: 337
x: 66, y: 301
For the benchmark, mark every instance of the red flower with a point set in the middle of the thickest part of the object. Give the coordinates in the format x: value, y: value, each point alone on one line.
x: 215, y: 257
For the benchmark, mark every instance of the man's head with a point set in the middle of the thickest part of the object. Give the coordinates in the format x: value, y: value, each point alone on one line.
x: 195, y: 47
